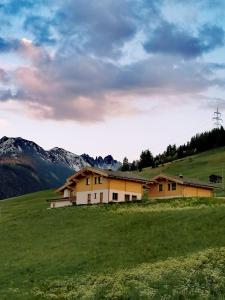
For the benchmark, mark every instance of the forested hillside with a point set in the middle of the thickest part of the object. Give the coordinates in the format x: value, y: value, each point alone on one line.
x: 198, y: 144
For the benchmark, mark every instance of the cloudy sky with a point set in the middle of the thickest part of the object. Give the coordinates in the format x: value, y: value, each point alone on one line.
x: 110, y: 76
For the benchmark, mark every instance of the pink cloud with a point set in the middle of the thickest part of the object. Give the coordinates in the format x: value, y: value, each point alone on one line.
x: 87, y: 89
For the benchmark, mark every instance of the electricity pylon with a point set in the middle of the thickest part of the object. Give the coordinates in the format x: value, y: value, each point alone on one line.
x: 217, y: 118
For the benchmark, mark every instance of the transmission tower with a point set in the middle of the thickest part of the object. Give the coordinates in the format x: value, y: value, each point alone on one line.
x: 217, y: 118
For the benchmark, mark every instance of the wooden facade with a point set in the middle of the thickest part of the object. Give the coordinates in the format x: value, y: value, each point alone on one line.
x: 164, y: 186
x: 92, y: 186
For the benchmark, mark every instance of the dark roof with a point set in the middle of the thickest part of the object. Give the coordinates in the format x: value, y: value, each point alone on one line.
x: 125, y: 175
x: 120, y: 175
x: 186, y: 180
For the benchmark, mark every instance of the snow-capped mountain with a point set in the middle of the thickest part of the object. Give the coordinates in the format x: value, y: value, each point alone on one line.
x: 107, y: 162
x: 19, y: 148
x: 14, y: 147
x: 74, y: 161
x: 27, y: 167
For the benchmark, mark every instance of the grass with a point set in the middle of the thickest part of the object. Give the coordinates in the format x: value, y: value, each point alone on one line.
x: 124, y: 251
x: 199, y: 166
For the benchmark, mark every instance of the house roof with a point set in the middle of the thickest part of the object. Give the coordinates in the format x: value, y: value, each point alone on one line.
x: 105, y: 173
x: 125, y: 175
x: 185, y: 181
x: 109, y: 174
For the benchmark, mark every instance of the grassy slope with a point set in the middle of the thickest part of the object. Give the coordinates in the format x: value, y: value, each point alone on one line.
x: 197, y: 166
x: 70, y: 243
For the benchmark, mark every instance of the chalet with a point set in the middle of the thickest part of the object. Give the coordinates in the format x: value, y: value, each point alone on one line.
x: 168, y: 186
x: 93, y: 185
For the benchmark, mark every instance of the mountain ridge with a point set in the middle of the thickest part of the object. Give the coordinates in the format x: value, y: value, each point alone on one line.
x: 23, y: 161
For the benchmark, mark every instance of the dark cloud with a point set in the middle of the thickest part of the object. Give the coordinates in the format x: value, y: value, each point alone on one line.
x: 102, y: 27
x: 167, y: 38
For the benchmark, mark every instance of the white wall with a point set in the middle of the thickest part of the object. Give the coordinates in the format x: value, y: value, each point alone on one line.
x: 121, y: 195
x: 60, y: 204
x: 82, y: 197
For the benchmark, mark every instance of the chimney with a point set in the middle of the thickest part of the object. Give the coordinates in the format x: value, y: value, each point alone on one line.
x: 181, y: 176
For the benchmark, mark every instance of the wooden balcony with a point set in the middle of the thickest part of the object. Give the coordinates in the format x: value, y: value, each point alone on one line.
x: 71, y: 199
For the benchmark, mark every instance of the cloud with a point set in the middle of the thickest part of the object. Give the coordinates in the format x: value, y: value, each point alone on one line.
x: 24, y: 47
x: 167, y: 38
x: 6, y: 94
x: 102, y: 27
x: 87, y: 89
x: 13, y: 7
x: 41, y: 29
x: 4, y: 76
x: 7, y: 45
x: 74, y: 69
x: 211, y: 102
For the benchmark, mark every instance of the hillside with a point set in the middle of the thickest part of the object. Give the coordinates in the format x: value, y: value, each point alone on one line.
x: 152, y: 250
x: 198, y: 166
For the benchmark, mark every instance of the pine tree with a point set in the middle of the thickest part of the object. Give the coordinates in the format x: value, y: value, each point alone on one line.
x: 146, y: 159
x: 126, y: 165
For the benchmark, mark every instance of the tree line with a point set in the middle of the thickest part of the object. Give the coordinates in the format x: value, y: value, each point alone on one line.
x: 198, y: 143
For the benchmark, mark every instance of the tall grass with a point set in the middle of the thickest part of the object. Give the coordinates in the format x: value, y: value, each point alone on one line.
x: 199, y: 276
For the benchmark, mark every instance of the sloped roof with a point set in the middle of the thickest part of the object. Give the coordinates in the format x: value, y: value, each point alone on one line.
x: 111, y: 174
x: 106, y: 173
x: 184, y: 180
x: 125, y: 175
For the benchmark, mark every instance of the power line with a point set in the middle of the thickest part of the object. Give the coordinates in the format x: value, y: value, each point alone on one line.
x: 217, y: 118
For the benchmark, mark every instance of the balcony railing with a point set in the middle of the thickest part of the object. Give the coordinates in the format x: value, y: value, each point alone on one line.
x: 71, y: 199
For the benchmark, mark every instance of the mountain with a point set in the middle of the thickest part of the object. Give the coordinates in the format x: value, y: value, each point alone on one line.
x: 107, y: 162
x: 26, y: 167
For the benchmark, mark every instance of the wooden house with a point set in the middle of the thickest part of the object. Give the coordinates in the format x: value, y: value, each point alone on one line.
x: 168, y: 186
x: 93, y: 185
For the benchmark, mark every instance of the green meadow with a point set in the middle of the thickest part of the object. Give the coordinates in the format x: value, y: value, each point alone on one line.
x: 171, y: 249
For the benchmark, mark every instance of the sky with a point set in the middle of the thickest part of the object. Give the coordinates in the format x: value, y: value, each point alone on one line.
x: 110, y: 76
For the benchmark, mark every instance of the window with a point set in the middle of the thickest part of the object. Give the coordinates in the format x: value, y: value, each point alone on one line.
x: 174, y: 186
x: 115, y: 196
x: 88, y: 181
x: 98, y: 180
x: 134, y: 197
x: 160, y: 187
x: 127, y: 197
x: 95, y: 196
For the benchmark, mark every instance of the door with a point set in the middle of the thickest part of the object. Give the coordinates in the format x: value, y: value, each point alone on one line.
x: 89, y: 199
x: 101, y: 198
